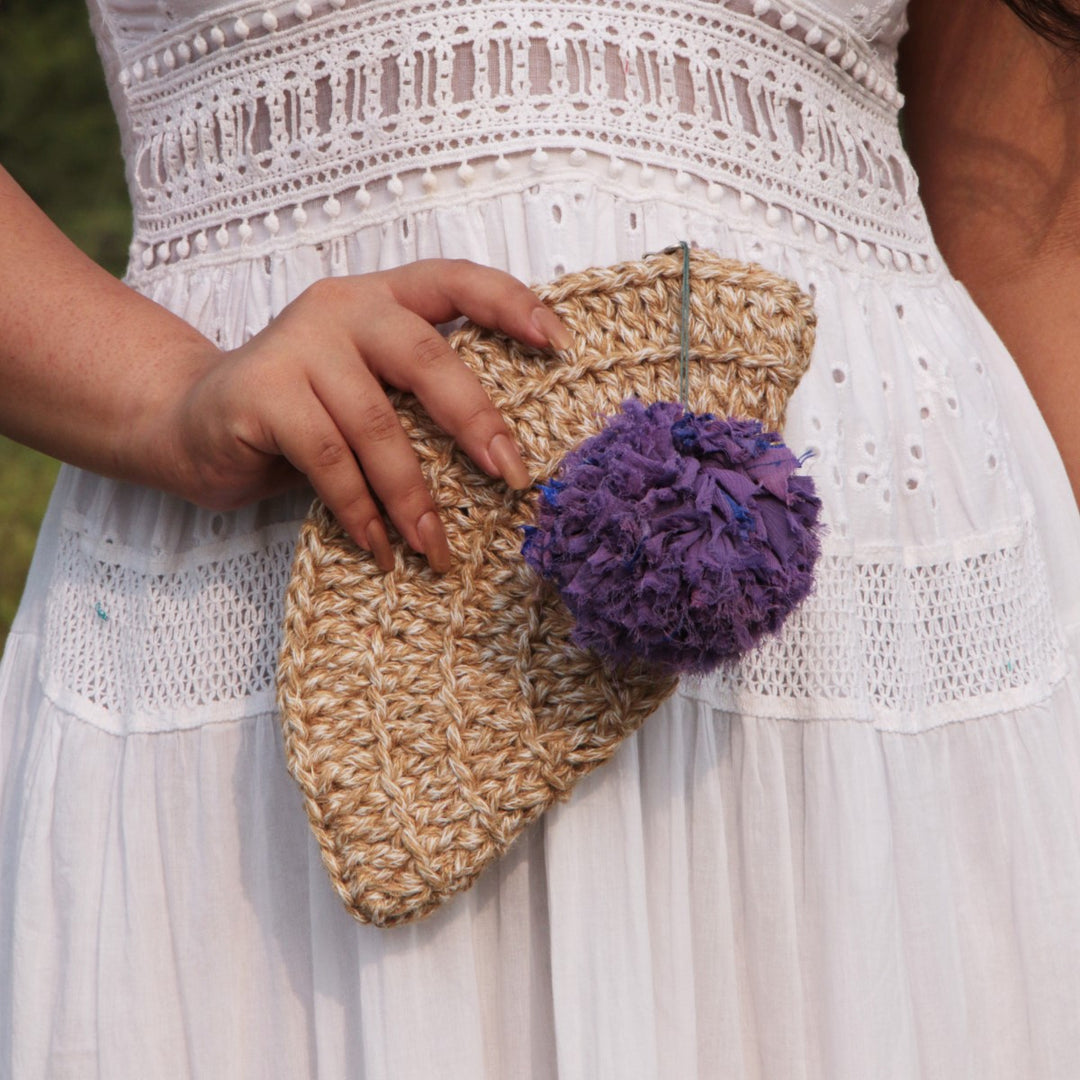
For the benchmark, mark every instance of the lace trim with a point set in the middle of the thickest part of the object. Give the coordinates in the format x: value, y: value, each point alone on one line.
x: 305, y: 113
x: 134, y: 643
x: 910, y: 646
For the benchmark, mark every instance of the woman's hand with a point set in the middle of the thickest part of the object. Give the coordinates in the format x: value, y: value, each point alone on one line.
x: 99, y: 376
x: 305, y: 397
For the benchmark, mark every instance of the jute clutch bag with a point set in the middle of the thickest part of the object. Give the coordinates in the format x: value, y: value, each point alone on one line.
x: 429, y: 719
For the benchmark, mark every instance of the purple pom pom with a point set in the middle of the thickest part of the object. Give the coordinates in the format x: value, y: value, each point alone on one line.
x: 677, y: 538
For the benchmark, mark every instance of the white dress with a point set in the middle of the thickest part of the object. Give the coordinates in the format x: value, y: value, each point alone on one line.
x: 854, y: 855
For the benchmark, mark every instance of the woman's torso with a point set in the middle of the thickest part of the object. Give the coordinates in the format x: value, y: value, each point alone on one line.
x: 268, y: 146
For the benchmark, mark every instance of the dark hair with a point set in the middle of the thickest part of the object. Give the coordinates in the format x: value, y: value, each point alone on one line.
x: 1056, y: 20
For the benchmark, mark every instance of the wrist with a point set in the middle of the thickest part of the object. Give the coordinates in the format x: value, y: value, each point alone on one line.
x: 154, y: 447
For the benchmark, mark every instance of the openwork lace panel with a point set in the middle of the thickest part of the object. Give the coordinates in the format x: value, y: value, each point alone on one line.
x: 913, y: 644
x: 907, y: 643
x: 135, y: 642
x: 274, y: 121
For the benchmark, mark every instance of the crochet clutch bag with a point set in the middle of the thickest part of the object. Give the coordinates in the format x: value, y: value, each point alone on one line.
x: 429, y: 719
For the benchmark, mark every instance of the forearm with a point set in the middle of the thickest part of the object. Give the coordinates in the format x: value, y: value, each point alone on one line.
x: 87, y: 365
x: 992, y: 124
x: 101, y: 377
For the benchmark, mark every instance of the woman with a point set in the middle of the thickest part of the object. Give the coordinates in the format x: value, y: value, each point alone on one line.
x: 853, y: 854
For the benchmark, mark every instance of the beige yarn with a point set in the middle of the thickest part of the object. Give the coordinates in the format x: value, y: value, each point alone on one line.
x: 428, y: 719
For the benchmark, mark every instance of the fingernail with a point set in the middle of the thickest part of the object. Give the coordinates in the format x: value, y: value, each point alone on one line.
x: 433, y: 539
x: 379, y: 543
x: 550, y: 325
x: 507, y: 460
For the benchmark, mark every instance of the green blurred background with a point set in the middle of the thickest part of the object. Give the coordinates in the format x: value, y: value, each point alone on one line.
x: 58, y: 138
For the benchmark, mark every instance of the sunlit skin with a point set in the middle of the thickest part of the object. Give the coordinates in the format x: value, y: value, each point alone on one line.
x: 993, y: 126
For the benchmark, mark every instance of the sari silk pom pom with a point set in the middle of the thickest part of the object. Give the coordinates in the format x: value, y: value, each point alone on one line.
x: 677, y: 538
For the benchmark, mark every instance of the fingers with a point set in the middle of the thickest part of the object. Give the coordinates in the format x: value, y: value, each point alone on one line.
x: 439, y: 290
x: 352, y: 335
x: 408, y: 353
x: 365, y: 424
x: 415, y: 357
x: 312, y: 442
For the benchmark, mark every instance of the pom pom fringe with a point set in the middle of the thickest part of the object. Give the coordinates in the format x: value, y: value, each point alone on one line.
x: 678, y: 538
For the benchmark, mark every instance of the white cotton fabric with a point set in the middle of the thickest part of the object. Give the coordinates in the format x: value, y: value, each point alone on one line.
x: 854, y: 854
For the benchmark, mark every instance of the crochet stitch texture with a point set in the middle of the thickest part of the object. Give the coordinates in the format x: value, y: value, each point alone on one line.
x: 429, y: 719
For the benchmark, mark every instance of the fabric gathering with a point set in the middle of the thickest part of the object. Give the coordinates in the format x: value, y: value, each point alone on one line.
x: 854, y: 852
